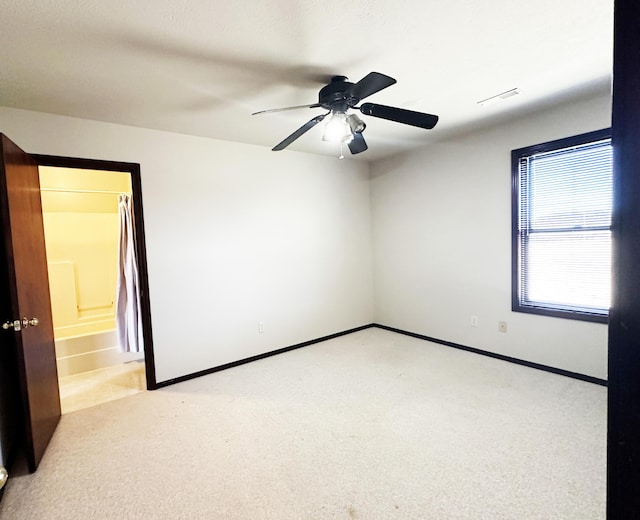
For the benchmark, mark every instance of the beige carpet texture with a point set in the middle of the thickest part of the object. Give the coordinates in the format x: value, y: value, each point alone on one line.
x: 371, y: 425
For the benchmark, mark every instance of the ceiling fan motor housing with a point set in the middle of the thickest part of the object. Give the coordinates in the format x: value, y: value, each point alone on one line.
x: 338, y: 95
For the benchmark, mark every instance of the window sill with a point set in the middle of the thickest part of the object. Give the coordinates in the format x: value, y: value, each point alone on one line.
x: 560, y: 313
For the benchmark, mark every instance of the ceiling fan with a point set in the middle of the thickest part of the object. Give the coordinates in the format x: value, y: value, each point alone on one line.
x: 338, y: 97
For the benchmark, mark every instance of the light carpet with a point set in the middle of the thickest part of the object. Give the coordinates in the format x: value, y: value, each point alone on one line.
x: 372, y: 425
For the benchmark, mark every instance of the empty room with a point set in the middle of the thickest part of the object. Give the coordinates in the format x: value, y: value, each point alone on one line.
x: 307, y: 260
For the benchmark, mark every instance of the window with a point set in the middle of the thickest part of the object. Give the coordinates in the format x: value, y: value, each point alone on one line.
x: 561, y: 220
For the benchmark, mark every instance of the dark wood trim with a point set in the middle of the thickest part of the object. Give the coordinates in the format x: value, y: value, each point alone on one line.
x: 623, y: 468
x: 84, y: 164
x: 501, y: 357
x: 552, y: 313
x: 516, y: 155
x: 565, y: 142
x: 259, y: 356
x: 141, y: 249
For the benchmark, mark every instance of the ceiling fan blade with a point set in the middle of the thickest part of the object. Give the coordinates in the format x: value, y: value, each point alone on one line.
x: 315, y: 105
x: 304, y: 128
x: 372, y: 83
x: 358, y: 144
x: 400, y: 115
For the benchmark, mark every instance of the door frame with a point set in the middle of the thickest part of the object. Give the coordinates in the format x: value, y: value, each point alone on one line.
x: 623, y: 457
x: 141, y: 250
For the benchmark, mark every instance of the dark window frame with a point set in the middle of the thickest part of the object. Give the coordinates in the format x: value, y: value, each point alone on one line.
x: 516, y: 156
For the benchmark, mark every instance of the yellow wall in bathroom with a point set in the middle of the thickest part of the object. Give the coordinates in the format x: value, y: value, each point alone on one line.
x: 81, y: 235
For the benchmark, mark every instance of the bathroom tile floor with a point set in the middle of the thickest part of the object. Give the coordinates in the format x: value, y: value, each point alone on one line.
x: 88, y: 389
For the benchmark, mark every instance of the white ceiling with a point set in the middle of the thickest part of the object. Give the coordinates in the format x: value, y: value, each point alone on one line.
x: 201, y: 67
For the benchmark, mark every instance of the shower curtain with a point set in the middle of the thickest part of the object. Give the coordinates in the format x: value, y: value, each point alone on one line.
x: 128, y: 315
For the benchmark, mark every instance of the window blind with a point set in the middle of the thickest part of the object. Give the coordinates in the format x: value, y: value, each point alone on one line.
x: 565, y: 205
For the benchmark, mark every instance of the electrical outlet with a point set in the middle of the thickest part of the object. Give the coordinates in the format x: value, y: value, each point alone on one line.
x: 260, y: 327
x: 474, y: 321
x: 502, y: 326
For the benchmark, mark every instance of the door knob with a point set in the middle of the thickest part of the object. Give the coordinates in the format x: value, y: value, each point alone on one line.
x: 18, y: 325
x: 4, y: 475
x: 33, y: 322
x: 15, y: 325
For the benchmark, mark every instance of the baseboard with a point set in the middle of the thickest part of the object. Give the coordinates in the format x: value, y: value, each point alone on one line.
x: 537, y: 366
x: 530, y: 364
x: 256, y: 358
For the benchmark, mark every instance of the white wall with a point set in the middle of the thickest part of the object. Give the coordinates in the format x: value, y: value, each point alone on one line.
x: 236, y: 235
x: 441, y: 220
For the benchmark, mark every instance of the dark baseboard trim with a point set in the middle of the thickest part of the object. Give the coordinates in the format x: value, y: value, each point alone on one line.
x: 258, y: 357
x: 501, y: 357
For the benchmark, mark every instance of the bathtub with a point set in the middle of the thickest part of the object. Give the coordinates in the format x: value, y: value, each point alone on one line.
x: 90, y: 350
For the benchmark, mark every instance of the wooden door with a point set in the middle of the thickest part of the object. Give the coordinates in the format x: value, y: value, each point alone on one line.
x: 26, y: 265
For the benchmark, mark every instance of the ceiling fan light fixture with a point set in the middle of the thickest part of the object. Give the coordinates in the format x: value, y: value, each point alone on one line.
x: 337, y: 98
x: 356, y: 124
x: 337, y: 129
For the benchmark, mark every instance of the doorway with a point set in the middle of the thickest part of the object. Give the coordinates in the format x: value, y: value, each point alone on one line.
x: 80, y: 211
